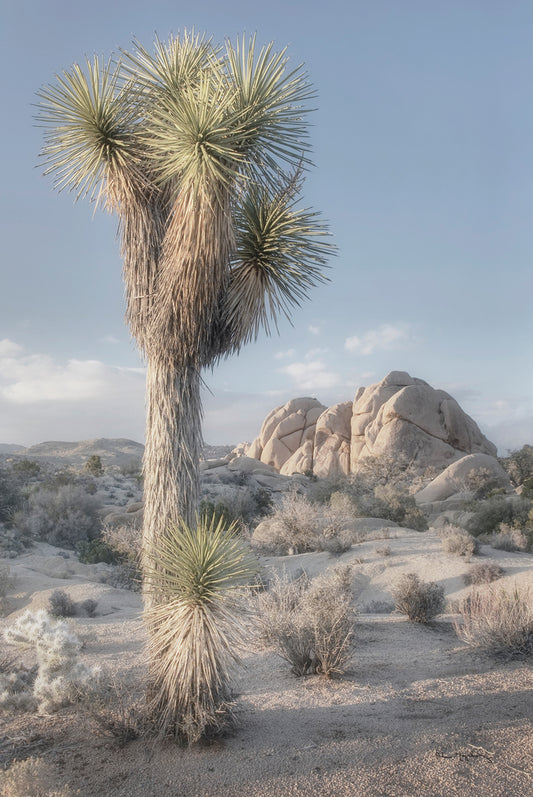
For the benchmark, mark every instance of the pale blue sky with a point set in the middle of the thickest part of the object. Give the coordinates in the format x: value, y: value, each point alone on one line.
x: 423, y: 144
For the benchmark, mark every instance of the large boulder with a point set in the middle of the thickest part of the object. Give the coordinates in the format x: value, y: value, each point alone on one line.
x: 332, y: 440
x: 459, y: 476
x: 285, y: 430
x: 406, y: 417
x: 401, y: 417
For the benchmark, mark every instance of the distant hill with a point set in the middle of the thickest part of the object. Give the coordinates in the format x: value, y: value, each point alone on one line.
x: 11, y: 448
x: 117, y: 452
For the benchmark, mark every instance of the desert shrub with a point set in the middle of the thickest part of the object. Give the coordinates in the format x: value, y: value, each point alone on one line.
x: 512, y: 539
x: 60, y: 674
x: 384, y: 550
x: 480, y: 481
x: 196, y: 626
x: 458, y: 541
x: 519, y: 465
x: 392, y: 503
x: 483, y: 573
x: 378, y: 607
x: 300, y: 526
x: 119, y: 711
x: 309, y: 623
x: 297, y: 522
x: 61, y: 604
x: 365, y: 498
x: 16, y: 685
x: 88, y: 606
x: 421, y: 601
x: 10, y: 496
x: 499, y: 509
x: 386, y: 469
x: 342, y: 505
x: 32, y: 777
x: 498, y: 621
x: 60, y: 517
x: 27, y: 468
x: 334, y: 538
x: 216, y: 512
x: 91, y: 552
x: 94, y: 465
x: 238, y: 506
x: 126, y: 542
x: 351, y: 485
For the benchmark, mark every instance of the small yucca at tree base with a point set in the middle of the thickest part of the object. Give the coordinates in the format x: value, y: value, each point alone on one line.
x: 196, y: 627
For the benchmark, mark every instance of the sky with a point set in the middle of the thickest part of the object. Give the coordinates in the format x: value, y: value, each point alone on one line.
x: 423, y: 151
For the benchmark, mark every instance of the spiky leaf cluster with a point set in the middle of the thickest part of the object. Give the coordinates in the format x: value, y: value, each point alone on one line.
x: 195, y: 630
x: 193, y: 146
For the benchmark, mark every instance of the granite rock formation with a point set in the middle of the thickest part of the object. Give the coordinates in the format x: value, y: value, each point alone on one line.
x: 401, y: 416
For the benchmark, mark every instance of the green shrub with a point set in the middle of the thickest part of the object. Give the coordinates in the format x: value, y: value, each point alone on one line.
x: 61, y: 604
x: 94, y: 465
x: 499, y: 509
x: 10, y: 496
x: 26, y: 468
x: 498, y: 621
x: 93, y: 551
x: 421, y: 601
x: 88, y: 606
x: 309, y: 623
x: 519, y: 465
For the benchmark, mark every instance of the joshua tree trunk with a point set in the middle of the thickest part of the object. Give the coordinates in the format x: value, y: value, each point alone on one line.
x: 172, y: 453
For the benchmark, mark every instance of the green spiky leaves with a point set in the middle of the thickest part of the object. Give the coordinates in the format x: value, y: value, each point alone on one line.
x: 193, y: 147
x: 90, y: 122
x: 196, y: 628
x: 279, y: 256
x: 199, y: 564
x: 270, y: 102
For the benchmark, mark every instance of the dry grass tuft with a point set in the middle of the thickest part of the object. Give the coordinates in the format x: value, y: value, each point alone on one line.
x: 457, y: 541
x: 32, y: 777
x: 497, y: 621
x: 483, y: 573
x: 310, y: 623
x: 421, y: 601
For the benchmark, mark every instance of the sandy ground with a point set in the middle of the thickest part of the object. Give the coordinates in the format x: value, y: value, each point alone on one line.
x: 418, y: 713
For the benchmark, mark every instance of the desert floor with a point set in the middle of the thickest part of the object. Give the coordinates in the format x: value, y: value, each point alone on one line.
x: 417, y: 713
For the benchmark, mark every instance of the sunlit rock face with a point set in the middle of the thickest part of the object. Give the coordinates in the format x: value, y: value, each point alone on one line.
x: 401, y: 416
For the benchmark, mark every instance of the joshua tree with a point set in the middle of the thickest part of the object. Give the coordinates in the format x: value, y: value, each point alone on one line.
x: 200, y: 152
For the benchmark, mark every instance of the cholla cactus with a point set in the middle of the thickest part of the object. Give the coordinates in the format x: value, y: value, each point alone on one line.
x: 60, y: 674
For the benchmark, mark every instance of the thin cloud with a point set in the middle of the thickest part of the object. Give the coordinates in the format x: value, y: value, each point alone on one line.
x: 311, y: 375
x: 285, y: 355
x: 386, y: 336
x: 313, y: 330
